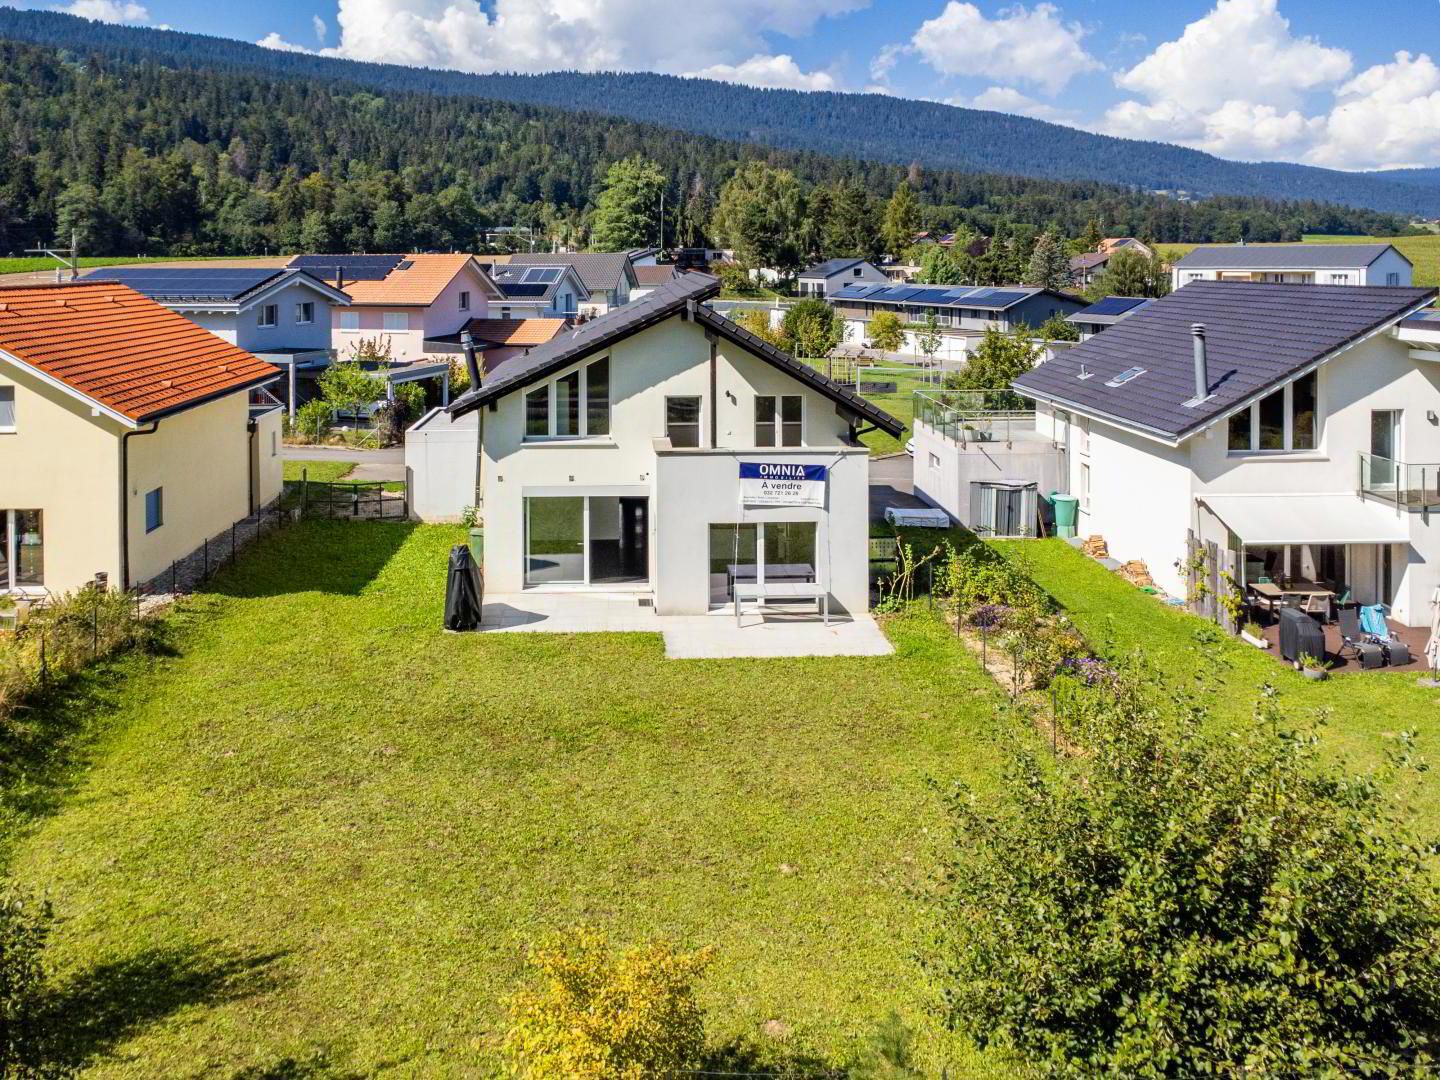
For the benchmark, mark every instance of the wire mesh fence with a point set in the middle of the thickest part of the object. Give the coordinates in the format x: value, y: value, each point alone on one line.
x: 374, y: 500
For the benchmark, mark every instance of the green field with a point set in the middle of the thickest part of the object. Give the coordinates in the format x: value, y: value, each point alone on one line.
x: 1423, y: 251
x: 316, y: 837
x: 324, y: 472
x: 28, y: 264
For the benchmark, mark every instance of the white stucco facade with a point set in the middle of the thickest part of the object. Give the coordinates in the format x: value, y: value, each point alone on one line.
x: 1390, y: 268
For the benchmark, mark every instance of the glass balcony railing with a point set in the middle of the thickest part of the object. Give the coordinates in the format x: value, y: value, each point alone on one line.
x: 1411, y: 487
x: 967, y: 416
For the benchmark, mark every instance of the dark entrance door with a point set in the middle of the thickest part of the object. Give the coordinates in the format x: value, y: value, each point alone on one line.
x: 635, y: 538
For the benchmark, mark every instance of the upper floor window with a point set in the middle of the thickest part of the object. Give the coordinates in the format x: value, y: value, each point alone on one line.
x: 269, y: 315
x: 465, y: 300
x: 7, y: 409
x: 1339, y: 279
x: 1288, y: 419
x: 304, y: 313
x: 779, y: 416
x: 349, y: 320
x: 397, y: 320
x: 22, y: 550
x: 1392, y: 278
x: 682, y: 421
x: 554, y: 410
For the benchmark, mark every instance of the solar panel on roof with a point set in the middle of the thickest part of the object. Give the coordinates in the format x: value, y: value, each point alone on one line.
x: 523, y: 290
x: 1115, y: 305
x: 354, y: 267
x: 207, y: 283
x: 996, y: 298
x: 543, y: 275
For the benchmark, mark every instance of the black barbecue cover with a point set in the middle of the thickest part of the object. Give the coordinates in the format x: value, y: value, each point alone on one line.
x: 464, y: 589
x: 1300, y: 635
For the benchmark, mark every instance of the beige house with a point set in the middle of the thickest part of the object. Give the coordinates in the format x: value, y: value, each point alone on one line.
x: 127, y: 437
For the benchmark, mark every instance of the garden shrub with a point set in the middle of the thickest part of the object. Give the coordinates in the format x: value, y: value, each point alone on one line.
x: 978, y: 574
x: 599, y: 1015
x: 1172, y: 903
x: 24, y: 1044
x: 313, y: 421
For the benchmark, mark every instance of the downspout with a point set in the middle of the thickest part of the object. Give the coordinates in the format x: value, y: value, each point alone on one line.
x: 125, y: 501
x: 714, y: 390
x: 252, y: 428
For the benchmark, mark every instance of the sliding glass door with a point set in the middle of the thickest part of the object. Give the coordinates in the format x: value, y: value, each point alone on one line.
x: 752, y: 552
x: 587, y: 540
x: 555, y: 541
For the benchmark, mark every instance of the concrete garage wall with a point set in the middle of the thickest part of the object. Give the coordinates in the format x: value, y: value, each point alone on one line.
x: 697, y: 489
x: 944, y: 471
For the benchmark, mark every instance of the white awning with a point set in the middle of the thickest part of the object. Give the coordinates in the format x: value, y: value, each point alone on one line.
x: 1308, y: 519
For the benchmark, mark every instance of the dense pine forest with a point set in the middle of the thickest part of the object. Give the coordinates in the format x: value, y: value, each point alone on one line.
x: 141, y: 158
x: 866, y: 126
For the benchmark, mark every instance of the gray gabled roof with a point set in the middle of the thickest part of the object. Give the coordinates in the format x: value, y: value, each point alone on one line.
x: 1257, y: 336
x: 598, y: 270
x: 1284, y: 256
x: 831, y: 267
x: 236, y: 285
x: 683, y: 296
x: 509, y: 279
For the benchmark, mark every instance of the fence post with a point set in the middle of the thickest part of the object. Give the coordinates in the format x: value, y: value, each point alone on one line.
x: 304, y: 489
x: 206, y: 574
x: 44, y: 660
x: 1054, y: 720
x: 95, y: 627
x: 232, y: 540
x: 174, y: 567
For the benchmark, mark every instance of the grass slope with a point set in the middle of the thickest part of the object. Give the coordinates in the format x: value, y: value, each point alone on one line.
x: 1423, y: 251
x: 323, y: 831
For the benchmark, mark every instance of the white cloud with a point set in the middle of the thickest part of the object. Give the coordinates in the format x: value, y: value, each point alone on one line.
x: 110, y: 11
x: 773, y: 72
x: 1387, y: 116
x: 1009, y: 100
x: 322, y: 31
x: 1030, y: 45
x: 273, y: 40
x: 588, y: 35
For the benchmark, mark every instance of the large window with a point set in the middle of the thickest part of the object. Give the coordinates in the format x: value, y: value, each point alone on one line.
x: 1288, y: 419
x: 682, y: 421
x: 7, y: 409
x: 586, y: 540
x: 576, y: 405
x: 771, y: 551
x: 22, y: 550
x: 781, y: 417
x: 305, y: 313
x: 397, y: 320
x: 269, y: 315
x: 349, y: 320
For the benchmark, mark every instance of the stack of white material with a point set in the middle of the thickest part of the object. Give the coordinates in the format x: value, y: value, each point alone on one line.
x: 918, y: 517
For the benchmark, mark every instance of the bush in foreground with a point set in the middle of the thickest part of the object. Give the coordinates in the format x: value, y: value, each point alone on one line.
x: 24, y: 927
x: 1173, y: 903
x: 598, y: 1014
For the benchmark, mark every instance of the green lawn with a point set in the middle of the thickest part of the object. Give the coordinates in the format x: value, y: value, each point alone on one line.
x: 1364, y: 708
x: 1423, y: 251
x: 28, y: 264
x: 323, y: 472
x: 321, y: 830
x: 900, y: 405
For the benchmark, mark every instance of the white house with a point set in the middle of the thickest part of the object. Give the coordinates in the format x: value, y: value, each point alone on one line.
x: 662, y: 450
x: 1293, y: 431
x: 608, y: 277
x: 827, y: 278
x: 283, y: 316
x: 1295, y: 264
x: 552, y: 290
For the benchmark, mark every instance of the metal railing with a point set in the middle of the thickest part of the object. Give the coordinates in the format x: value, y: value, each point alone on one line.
x: 967, y: 416
x: 1404, y: 485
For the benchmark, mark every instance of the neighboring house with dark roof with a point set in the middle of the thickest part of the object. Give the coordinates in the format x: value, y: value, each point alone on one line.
x: 1295, y: 264
x: 618, y: 457
x: 127, y: 437
x: 548, y: 290
x: 608, y: 277
x: 650, y: 277
x: 826, y: 278
x: 1286, y: 429
x: 1088, y: 266
x: 284, y: 316
x: 963, y: 312
x: 1105, y: 313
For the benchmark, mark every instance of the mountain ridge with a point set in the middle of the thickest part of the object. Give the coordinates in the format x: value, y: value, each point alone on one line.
x: 862, y: 126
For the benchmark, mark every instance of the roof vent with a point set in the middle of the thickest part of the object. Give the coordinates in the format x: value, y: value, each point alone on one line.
x: 1085, y: 372
x: 1202, y: 366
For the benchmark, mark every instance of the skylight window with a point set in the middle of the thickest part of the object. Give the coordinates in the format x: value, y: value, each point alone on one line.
x: 1125, y: 376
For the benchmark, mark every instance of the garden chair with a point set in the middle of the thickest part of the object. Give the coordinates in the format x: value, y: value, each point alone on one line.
x: 1372, y: 622
x: 1369, y: 654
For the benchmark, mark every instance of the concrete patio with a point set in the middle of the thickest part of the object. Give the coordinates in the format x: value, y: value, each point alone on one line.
x: 687, y: 637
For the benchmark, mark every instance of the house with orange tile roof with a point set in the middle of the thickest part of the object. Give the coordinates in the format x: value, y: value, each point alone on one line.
x: 499, y: 340
x: 127, y: 437
x: 402, y: 300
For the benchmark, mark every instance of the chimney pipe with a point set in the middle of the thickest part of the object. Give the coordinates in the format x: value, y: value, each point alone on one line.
x: 472, y: 366
x: 1202, y: 366
x: 340, y: 278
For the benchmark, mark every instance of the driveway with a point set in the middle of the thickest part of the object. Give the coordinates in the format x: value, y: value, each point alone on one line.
x: 892, y: 484
x: 395, y: 455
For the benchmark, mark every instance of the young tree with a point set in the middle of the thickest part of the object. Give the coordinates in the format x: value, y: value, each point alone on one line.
x: 928, y: 339
x: 347, y: 386
x: 853, y: 229
x: 902, y: 219
x: 887, y: 333
x: 1049, y: 263
x: 758, y: 323
x: 811, y: 329
x: 599, y: 1015
x: 1055, y: 328
x: 1128, y: 273
x: 627, y: 209
x: 1172, y: 902
x: 938, y: 267
x: 994, y: 363
x: 757, y: 215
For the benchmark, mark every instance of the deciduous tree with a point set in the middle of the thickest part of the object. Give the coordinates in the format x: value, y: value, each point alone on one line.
x: 628, y: 207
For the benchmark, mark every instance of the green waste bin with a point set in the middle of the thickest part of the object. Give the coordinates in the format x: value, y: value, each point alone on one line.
x: 1066, y: 507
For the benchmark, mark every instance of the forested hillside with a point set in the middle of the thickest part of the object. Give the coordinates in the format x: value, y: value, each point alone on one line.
x: 868, y: 126
x: 142, y: 158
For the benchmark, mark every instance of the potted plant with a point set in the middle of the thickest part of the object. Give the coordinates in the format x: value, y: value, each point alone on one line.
x: 1312, y: 668
x: 1254, y: 634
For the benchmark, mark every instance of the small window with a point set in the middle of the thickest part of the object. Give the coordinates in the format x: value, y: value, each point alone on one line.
x: 764, y: 421
x: 304, y: 313
x: 22, y: 550
x: 537, y: 413
x: 349, y: 320
x: 397, y: 320
x: 935, y: 462
x: 505, y: 313
x: 274, y: 444
x: 791, y: 420
x: 154, y: 509
x: 682, y: 421
x: 567, y: 405
x: 465, y: 300
x: 7, y: 409
x: 597, y: 397
x: 1125, y: 376
x: 1084, y: 487
x: 269, y: 315
x: 1392, y: 279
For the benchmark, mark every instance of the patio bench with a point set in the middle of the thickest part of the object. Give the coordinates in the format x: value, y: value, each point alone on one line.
x: 782, y: 590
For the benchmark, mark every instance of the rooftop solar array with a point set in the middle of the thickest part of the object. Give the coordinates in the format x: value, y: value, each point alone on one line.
x: 354, y: 267
x: 542, y: 275
x: 935, y: 296
x: 511, y: 289
x: 173, y: 283
x: 1115, y: 305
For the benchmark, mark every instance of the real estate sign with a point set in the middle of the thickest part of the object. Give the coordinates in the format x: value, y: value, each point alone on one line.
x: 781, y: 483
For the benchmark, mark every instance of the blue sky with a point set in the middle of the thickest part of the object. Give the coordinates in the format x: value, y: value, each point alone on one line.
x: 1338, y: 84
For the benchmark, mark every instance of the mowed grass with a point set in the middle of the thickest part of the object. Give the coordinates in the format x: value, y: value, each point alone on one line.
x: 1362, y: 711
x: 900, y: 404
x: 322, y: 833
x: 323, y: 472
x: 1423, y: 251
x: 30, y: 263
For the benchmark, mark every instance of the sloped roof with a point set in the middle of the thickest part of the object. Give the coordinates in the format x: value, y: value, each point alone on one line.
x: 598, y: 270
x: 1284, y: 256
x: 1090, y: 259
x: 831, y: 267
x: 510, y: 332
x: 510, y: 279
x: 650, y: 276
x: 122, y: 351
x: 208, y: 284
x: 416, y: 281
x: 984, y: 297
x: 686, y: 294
x: 1257, y: 336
